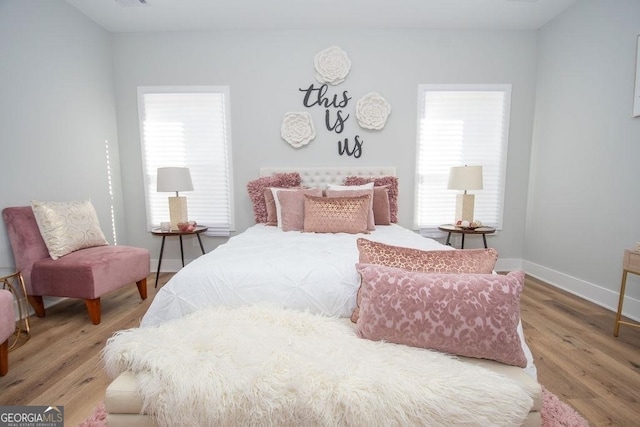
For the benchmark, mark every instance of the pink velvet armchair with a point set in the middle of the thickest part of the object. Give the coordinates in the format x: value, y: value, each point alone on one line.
x: 86, y: 273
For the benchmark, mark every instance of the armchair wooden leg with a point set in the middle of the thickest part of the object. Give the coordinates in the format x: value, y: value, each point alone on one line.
x: 142, y: 288
x: 93, y: 307
x: 37, y: 303
x: 4, y: 358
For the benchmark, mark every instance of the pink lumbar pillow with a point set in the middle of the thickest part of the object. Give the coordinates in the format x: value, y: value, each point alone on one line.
x: 346, y: 192
x: 471, y: 261
x: 472, y: 315
x: 336, y: 214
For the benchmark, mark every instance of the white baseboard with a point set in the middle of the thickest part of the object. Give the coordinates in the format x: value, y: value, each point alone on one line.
x: 591, y: 292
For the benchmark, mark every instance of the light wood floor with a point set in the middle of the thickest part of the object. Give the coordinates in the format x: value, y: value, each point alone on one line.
x: 575, y: 352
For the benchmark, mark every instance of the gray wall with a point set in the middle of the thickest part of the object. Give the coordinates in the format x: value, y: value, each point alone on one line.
x: 265, y: 69
x: 65, y: 81
x: 584, y: 201
x: 57, y: 111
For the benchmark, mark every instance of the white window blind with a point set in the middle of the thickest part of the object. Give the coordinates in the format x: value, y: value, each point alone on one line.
x: 461, y: 125
x: 188, y: 127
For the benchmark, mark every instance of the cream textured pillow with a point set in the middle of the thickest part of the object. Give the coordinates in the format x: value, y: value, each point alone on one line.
x: 336, y: 214
x: 470, y: 261
x: 68, y: 226
x: 472, y: 315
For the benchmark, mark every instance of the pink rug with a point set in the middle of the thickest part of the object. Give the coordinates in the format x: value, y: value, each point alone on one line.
x: 557, y: 413
x: 554, y: 413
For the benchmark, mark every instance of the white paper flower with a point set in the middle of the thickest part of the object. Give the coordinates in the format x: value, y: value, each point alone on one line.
x: 372, y: 111
x: 297, y: 129
x: 332, y: 65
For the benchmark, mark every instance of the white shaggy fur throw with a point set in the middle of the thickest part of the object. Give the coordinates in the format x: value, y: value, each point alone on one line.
x: 257, y: 366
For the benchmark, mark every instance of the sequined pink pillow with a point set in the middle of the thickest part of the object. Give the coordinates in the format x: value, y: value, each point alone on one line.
x: 471, y: 315
x: 471, y: 261
x: 336, y: 214
x: 353, y: 193
x: 390, y: 181
x: 479, y: 261
x: 256, y: 187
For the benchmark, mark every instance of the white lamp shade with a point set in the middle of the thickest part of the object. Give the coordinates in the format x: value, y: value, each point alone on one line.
x: 174, y: 179
x: 465, y: 178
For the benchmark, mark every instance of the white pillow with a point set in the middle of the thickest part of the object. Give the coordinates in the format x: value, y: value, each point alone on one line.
x: 367, y: 186
x: 68, y: 226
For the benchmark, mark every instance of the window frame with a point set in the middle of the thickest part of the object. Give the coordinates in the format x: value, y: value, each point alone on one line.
x: 149, y: 183
x: 506, y: 89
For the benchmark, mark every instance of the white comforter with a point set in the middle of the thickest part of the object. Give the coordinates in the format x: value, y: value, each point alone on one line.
x: 307, y: 271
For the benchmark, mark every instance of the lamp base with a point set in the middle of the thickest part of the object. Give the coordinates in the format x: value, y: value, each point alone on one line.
x: 464, y: 207
x: 177, y: 211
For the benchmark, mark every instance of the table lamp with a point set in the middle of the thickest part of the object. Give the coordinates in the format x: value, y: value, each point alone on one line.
x: 176, y: 179
x: 465, y: 178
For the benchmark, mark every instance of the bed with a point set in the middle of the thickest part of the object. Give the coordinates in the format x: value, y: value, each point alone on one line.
x: 309, y: 272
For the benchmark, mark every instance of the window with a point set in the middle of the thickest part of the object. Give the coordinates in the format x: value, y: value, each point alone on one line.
x: 461, y: 125
x: 188, y: 127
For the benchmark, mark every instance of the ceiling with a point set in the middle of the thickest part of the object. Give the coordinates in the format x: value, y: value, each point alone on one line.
x: 198, y: 15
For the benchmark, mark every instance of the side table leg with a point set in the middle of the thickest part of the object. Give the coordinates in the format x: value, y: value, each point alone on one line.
x: 448, y: 239
x: 462, y: 245
x: 484, y: 239
x: 200, y: 241
x: 160, y: 260
x: 181, y: 251
x: 623, y: 285
x: 25, y: 306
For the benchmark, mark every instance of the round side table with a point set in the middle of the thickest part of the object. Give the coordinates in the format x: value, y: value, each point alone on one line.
x: 12, y: 280
x: 159, y: 232
x: 450, y: 228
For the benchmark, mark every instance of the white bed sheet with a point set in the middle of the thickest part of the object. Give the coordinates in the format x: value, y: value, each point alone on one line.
x: 305, y: 271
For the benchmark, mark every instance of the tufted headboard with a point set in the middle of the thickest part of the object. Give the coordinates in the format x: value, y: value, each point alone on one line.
x: 321, y: 176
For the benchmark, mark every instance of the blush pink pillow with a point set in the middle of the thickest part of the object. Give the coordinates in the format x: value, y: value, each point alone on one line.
x: 256, y: 187
x: 470, y: 261
x: 336, y: 214
x: 390, y: 181
x: 354, y: 193
x: 292, y: 207
x: 471, y: 315
x: 381, y: 210
x: 270, y: 203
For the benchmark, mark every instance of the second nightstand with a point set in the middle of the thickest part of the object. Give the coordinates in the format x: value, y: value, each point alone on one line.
x: 450, y: 228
